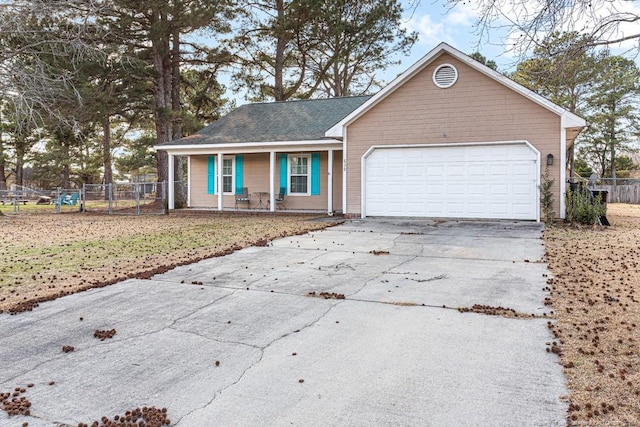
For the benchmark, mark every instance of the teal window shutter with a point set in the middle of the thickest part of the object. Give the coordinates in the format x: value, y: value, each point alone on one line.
x: 239, y: 183
x: 283, y: 172
x: 211, y: 174
x: 315, y: 174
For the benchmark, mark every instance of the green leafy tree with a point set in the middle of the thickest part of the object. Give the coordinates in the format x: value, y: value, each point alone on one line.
x: 353, y: 41
x: 624, y: 165
x: 614, y: 105
x: 138, y: 158
x: 594, y: 84
x: 582, y: 168
x: 203, y: 98
x: 271, y: 49
x: 483, y: 60
x: 299, y: 49
x: 161, y: 33
x: 566, y: 80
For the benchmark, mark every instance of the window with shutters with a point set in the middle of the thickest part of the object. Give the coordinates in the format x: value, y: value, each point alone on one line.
x: 299, y: 175
x: 227, y: 175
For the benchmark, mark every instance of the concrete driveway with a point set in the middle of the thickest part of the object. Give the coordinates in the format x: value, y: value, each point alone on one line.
x: 395, y: 351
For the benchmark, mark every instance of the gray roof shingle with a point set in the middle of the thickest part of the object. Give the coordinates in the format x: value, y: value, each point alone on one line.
x: 301, y: 120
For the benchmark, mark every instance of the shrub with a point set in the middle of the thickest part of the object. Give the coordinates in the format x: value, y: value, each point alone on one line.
x: 583, y: 208
x: 546, y: 198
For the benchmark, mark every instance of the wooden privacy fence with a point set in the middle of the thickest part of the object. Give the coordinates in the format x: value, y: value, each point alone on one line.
x: 621, y: 193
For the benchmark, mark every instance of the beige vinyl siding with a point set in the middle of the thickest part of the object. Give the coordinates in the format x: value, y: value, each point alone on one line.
x: 475, y: 109
x: 198, y: 190
x: 256, y: 179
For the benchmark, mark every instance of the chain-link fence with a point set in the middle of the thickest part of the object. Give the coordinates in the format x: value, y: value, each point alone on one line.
x: 27, y: 200
x: 142, y: 198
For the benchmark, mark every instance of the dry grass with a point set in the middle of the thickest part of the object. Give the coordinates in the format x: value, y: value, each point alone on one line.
x: 43, y: 257
x: 594, y: 297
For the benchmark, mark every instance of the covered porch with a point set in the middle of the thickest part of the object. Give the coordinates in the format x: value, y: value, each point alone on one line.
x: 293, y: 176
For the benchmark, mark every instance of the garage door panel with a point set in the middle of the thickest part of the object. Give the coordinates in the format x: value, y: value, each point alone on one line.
x: 498, y: 209
x: 492, y: 181
x: 477, y: 189
x: 499, y: 190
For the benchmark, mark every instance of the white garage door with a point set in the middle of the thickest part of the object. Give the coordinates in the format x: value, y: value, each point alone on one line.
x: 473, y: 181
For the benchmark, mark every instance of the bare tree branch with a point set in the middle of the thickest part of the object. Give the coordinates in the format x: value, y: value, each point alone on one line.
x: 604, y: 22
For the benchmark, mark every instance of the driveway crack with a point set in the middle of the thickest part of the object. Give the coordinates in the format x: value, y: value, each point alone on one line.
x: 79, y: 350
x: 257, y: 362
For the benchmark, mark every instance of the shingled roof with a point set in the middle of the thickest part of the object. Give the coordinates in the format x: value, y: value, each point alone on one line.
x: 302, y: 120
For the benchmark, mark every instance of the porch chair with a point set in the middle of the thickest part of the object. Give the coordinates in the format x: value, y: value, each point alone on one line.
x: 243, y: 197
x: 279, y: 199
x: 71, y: 200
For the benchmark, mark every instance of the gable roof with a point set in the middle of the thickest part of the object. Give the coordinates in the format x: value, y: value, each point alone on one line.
x: 569, y: 120
x: 302, y: 120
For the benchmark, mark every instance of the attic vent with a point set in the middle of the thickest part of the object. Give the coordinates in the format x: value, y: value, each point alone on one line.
x: 445, y: 76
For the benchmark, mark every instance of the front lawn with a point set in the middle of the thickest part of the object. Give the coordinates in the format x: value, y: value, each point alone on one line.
x: 594, y: 295
x: 46, y: 256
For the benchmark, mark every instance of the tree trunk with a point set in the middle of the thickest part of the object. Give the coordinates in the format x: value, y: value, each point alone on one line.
x: 66, y: 170
x: 180, y: 199
x: 281, y: 45
x: 162, y: 89
x: 3, y: 176
x: 612, y: 139
x: 106, y: 152
x: 20, y: 153
x: 613, y: 163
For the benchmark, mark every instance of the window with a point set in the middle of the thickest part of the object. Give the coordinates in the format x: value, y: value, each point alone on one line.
x: 231, y: 174
x: 227, y: 175
x: 299, y: 175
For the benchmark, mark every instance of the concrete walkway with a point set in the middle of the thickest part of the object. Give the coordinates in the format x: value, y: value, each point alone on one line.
x: 394, y: 352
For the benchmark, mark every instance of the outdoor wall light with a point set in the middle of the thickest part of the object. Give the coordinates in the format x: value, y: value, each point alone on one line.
x: 549, y: 159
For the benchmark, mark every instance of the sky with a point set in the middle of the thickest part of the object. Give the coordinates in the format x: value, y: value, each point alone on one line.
x: 436, y: 22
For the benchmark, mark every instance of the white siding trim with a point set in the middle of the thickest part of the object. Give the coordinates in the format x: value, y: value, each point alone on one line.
x: 563, y: 166
x: 252, y: 147
x: 363, y: 180
x: 452, y: 144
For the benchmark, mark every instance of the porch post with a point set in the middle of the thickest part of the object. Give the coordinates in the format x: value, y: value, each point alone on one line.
x: 189, y: 181
x: 330, y: 182
x: 220, y: 182
x: 171, y: 182
x: 272, y: 184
